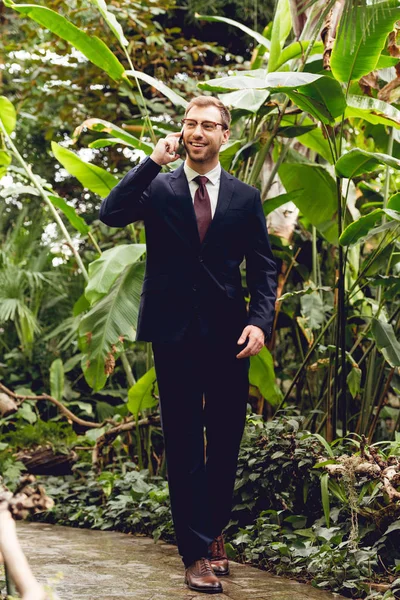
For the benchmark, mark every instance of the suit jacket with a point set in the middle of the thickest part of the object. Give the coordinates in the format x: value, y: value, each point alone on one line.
x: 184, y: 278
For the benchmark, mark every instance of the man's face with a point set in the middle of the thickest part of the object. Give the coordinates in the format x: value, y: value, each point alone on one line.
x: 203, y: 146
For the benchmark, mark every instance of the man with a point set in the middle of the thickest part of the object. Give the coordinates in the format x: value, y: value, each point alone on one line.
x: 201, y: 222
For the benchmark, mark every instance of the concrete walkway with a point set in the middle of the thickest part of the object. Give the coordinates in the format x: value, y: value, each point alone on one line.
x: 105, y: 565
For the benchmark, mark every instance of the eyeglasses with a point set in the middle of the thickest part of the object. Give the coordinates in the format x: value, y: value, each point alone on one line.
x: 208, y: 126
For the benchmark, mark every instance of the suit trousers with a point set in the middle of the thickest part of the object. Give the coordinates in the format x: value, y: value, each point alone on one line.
x: 203, y: 391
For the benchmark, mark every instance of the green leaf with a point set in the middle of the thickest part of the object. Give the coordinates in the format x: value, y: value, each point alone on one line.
x: 248, y: 100
x: 352, y: 61
x: 357, y: 161
x: 292, y: 131
x: 281, y: 82
x: 262, y: 375
x: 229, y: 151
x: 385, y: 62
x: 316, y: 141
x: 322, y: 98
x: 273, y: 203
x: 107, y: 127
x: 318, y: 202
x: 104, y: 271
x: 263, y: 41
x: 385, y: 338
x: 8, y: 116
x: 325, y: 497
x: 109, y: 322
x: 69, y: 211
x: 5, y: 158
x: 175, y: 98
x: 323, y: 442
x: 359, y: 228
x: 281, y: 27
x: 94, y: 178
x: 298, y: 49
x: 312, y: 309
x: 354, y: 381
x: 372, y: 110
x: 92, y: 47
x: 26, y: 412
x: 144, y: 393
x: 57, y: 379
x: 394, y: 202
x: 111, y: 21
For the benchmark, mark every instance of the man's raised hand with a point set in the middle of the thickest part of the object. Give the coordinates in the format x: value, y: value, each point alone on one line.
x: 166, y: 149
x: 256, y: 341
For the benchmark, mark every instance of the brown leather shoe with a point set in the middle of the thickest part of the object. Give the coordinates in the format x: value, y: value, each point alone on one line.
x: 200, y: 577
x: 219, y: 560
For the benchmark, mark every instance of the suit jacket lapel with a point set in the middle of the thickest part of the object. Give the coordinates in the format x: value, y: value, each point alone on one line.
x: 182, y: 209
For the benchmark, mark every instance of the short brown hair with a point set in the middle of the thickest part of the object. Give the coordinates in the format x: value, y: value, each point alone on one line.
x: 211, y: 101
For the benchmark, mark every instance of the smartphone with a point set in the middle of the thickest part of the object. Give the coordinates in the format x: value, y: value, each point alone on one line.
x: 181, y: 147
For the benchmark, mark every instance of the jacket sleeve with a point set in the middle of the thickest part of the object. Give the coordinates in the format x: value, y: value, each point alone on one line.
x: 126, y: 202
x: 261, y: 272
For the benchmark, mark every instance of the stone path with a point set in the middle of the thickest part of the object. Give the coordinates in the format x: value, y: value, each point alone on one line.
x: 106, y: 565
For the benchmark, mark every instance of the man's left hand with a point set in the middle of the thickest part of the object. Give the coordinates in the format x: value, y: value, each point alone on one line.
x: 256, y: 341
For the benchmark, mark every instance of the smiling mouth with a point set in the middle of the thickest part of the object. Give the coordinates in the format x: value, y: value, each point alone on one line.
x: 197, y: 145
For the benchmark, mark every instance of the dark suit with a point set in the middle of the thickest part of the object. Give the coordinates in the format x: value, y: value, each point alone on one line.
x: 193, y: 310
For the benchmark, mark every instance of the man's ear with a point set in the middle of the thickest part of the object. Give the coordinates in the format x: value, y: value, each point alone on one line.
x: 227, y: 134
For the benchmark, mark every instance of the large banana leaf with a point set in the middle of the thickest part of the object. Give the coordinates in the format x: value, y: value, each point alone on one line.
x: 281, y: 27
x: 280, y: 82
x: 69, y: 211
x: 273, y: 203
x: 350, y: 61
x: 322, y: 98
x: 248, y: 100
x: 262, y: 375
x: 95, y: 178
x: 385, y: 337
x: 319, y: 95
x: 92, y: 47
x: 296, y: 50
x: 229, y: 151
x: 263, y: 41
x: 111, y: 321
x: 372, y: 110
x: 357, y: 161
x: 359, y: 228
x: 104, y: 271
x: 107, y: 127
x: 8, y: 116
x: 318, y: 203
x: 111, y: 22
x: 316, y: 141
x: 175, y: 98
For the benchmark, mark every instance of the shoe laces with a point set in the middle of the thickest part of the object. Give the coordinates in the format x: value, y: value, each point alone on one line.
x: 218, y: 546
x: 205, y: 567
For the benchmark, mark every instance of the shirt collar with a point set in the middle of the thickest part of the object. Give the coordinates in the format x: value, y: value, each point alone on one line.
x: 213, y: 175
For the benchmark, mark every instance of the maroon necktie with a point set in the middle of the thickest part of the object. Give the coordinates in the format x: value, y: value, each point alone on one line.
x: 202, y: 206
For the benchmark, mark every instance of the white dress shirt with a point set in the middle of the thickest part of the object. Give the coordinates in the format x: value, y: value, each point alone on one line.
x: 214, y: 177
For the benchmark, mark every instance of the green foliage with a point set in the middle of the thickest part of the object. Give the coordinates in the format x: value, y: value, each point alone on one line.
x: 352, y: 61
x: 57, y: 433
x: 91, y: 46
